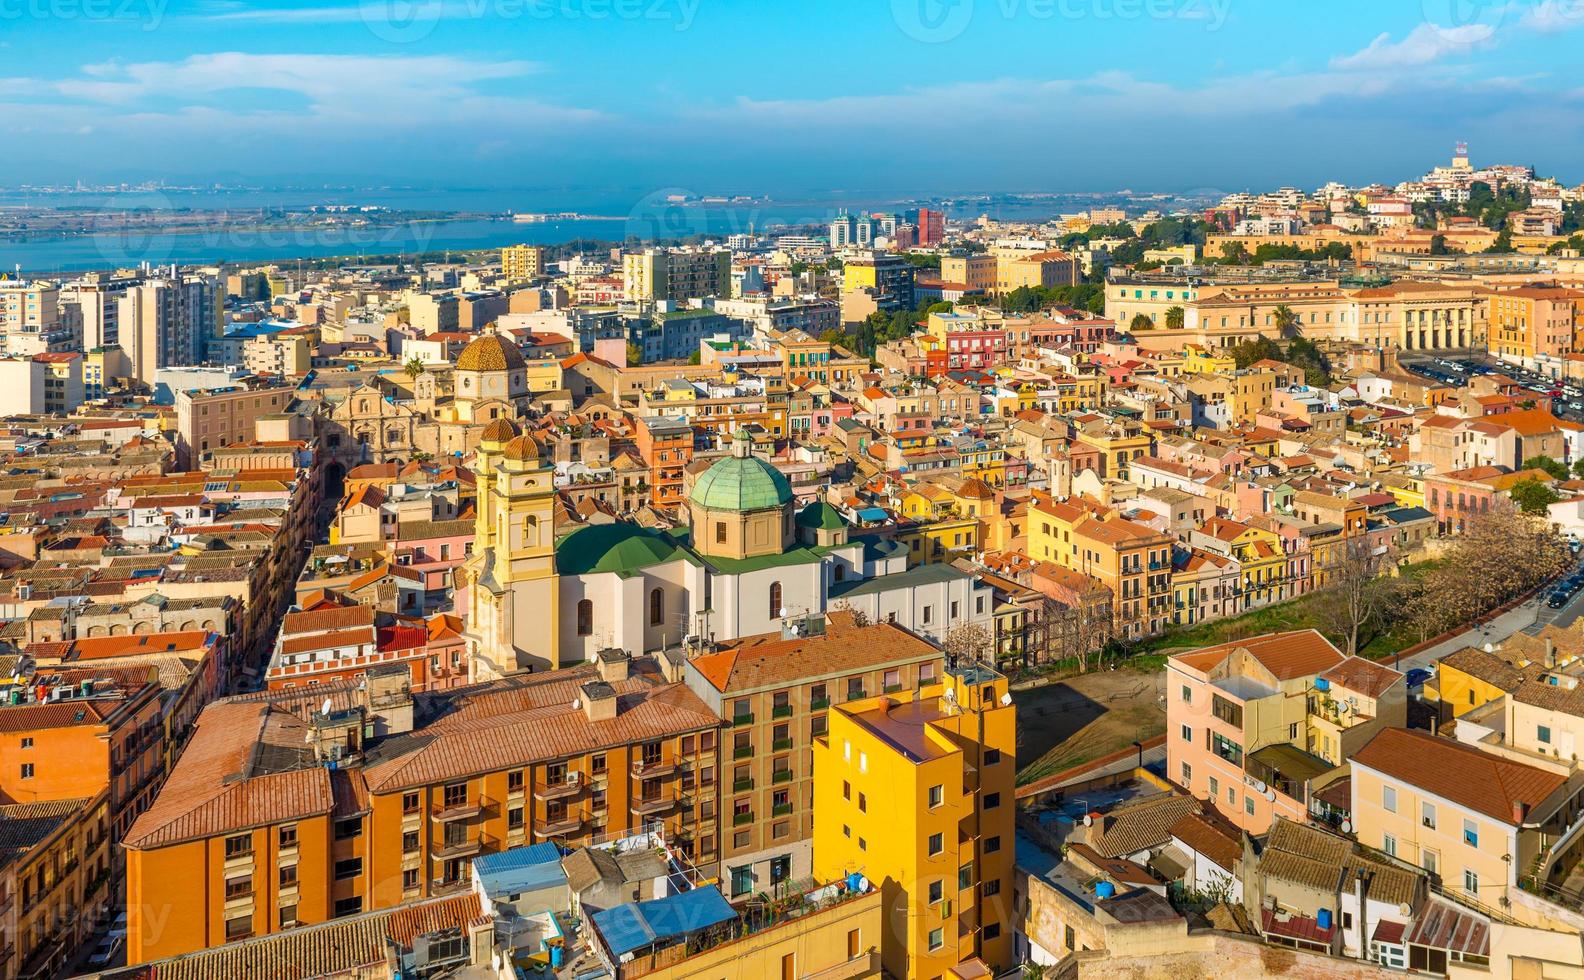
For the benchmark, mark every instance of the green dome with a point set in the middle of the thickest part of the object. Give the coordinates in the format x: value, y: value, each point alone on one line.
x: 820, y: 516
x: 741, y: 484
x: 617, y: 547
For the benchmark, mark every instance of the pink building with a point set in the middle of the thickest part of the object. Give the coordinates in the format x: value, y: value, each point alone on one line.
x: 1239, y: 726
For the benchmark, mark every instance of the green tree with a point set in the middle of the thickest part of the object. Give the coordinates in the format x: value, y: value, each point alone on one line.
x: 1175, y: 317
x: 1259, y: 349
x: 1532, y: 496
x: 944, y: 306
x: 695, y: 358
x: 1502, y: 245
x: 634, y: 354
x: 1141, y: 322
x: 1287, y: 322
x: 1557, y: 469
x: 414, y: 367
x: 1438, y: 245
x: 834, y: 336
x: 798, y: 268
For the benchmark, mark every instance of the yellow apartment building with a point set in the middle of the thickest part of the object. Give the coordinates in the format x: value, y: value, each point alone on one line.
x: 915, y: 792
x: 1477, y: 819
x: 521, y: 262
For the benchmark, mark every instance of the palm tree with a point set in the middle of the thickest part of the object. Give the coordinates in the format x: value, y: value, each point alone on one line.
x: 414, y: 367
x: 1288, y: 323
x: 1175, y: 316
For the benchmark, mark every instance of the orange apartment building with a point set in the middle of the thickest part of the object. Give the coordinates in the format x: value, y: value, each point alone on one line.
x: 210, y: 418
x: 55, y: 882
x: 1133, y: 560
x: 775, y: 692
x: 307, y: 805
x: 1535, y: 321
x: 666, y: 444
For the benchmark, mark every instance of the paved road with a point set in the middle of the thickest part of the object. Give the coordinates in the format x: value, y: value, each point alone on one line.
x: 1531, y: 618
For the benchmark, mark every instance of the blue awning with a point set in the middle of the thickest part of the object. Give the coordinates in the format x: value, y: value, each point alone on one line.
x: 636, y: 925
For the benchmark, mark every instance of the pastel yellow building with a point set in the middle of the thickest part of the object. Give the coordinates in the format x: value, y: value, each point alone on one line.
x: 915, y: 792
x: 521, y: 262
x: 1198, y: 359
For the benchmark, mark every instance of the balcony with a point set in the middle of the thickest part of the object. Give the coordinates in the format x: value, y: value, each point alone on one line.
x: 781, y: 809
x: 460, y: 811
x: 642, y: 769
x: 782, y: 776
x: 744, y: 719
x: 459, y: 849
x: 569, y: 785
x: 743, y: 752
x: 857, y: 694
x: 652, y: 806
x: 568, y: 823
x: 862, y: 965
x: 819, y: 704
x: 781, y: 745
x: 781, y: 711
x: 742, y: 785
x: 742, y: 819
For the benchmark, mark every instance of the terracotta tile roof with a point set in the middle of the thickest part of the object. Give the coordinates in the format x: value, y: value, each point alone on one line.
x: 325, y: 620
x: 1211, y: 836
x: 769, y: 661
x: 1140, y: 825
x: 325, y: 641
x: 1299, y: 653
x: 1492, y: 668
x: 1364, y: 676
x: 1460, y: 773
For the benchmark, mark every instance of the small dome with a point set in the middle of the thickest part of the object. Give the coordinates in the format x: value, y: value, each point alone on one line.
x: 741, y: 484
x: 820, y: 516
x: 521, y: 449
x: 499, y: 432
x: 490, y: 353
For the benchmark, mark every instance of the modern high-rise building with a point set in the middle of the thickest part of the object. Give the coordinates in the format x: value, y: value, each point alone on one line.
x: 851, y: 231
x: 931, y: 226
x: 913, y: 789
x: 522, y: 262
x: 167, y: 321
x: 30, y: 319
x: 677, y: 275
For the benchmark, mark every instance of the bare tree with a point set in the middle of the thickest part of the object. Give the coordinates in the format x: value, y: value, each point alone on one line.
x: 1359, y: 597
x: 969, y: 643
x: 1500, y: 556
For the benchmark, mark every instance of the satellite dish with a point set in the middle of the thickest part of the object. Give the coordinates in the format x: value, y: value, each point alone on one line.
x: 577, y: 703
x: 1006, y: 699
x: 1270, y: 794
x: 1346, y: 826
x: 325, y: 708
x: 783, y: 612
x: 1489, y: 648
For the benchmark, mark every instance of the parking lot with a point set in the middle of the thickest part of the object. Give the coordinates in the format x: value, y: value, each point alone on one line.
x: 1567, y: 398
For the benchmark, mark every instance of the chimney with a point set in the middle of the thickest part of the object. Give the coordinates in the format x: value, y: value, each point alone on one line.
x: 614, y: 664
x: 1520, y: 812
x: 1358, y: 897
x: 1550, y: 653
x: 599, y: 701
x: 672, y: 663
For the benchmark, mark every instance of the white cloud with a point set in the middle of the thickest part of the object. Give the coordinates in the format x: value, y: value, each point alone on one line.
x: 1425, y: 44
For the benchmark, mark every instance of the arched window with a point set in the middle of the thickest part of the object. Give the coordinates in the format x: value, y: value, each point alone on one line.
x: 656, y: 606
x: 775, y: 600
x: 585, y: 617
x: 841, y: 571
x: 530, y: 530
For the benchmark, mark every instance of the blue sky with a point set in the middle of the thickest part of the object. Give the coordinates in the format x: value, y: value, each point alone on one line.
x: 894, y: 96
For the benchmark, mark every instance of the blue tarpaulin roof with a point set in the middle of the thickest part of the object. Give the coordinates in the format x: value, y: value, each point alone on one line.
x: 639, y: 924
x: 521, y: 869
x: 872, y: 514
